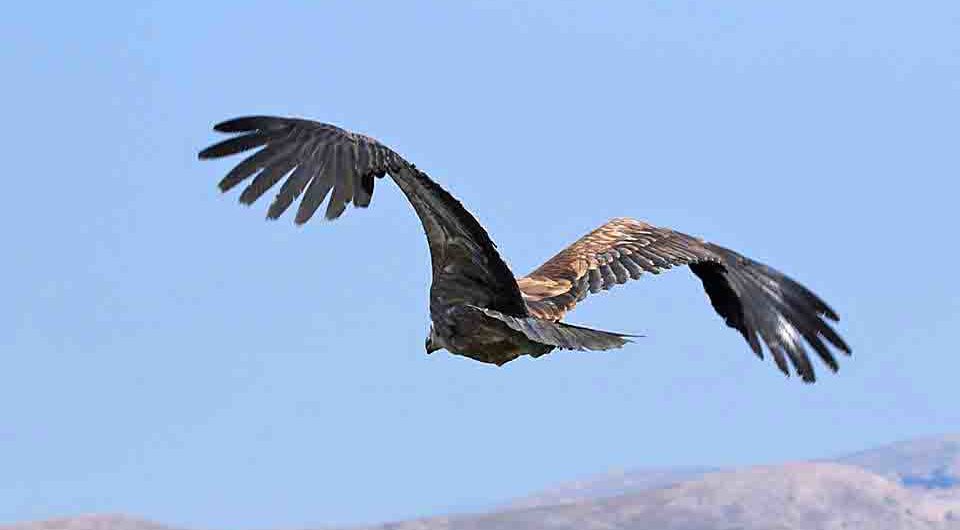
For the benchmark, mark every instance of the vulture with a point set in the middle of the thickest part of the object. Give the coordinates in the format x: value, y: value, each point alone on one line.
x: 478, y: 308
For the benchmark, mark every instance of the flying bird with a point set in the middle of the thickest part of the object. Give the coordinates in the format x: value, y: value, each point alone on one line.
x: 478, y: 308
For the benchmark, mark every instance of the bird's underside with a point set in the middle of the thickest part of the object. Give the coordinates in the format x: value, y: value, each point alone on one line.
x: 477, y: 307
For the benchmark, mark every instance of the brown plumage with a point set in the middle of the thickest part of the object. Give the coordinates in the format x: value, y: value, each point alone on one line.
x: 477, y: 307
x: 759, y: 302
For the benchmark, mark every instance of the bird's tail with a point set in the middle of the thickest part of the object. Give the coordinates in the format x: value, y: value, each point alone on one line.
x: 561, y: 335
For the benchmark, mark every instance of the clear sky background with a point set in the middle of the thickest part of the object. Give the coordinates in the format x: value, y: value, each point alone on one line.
x: 168, y: 353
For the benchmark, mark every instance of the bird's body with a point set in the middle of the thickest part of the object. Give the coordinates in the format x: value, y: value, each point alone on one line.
x: 477, y: 307
x: 468, y: 331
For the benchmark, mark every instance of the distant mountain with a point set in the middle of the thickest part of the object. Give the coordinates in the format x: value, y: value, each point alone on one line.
x: 910, y: 485
x: 921, y: 463
x: 801, y: 496
x: 611, y: 485
x: 925, y: 462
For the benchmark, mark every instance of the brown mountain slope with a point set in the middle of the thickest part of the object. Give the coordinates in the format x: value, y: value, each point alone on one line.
x: 800, y: 496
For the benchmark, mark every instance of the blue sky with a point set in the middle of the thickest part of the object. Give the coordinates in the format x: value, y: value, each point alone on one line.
x: 169, y: 353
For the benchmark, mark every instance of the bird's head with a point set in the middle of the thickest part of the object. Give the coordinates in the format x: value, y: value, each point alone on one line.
x: 432, y: 343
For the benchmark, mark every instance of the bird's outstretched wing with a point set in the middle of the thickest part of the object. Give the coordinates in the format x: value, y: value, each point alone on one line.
x: 319, y: 160
x: 761, y: 303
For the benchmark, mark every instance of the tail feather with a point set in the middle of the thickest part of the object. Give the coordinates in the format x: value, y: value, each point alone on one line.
x: 561, y: 335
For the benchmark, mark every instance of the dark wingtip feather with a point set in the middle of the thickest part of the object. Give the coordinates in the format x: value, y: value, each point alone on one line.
x: 303, y: 215
x: 247, y: 123
x: 822, y: 351
x: 235, y: 145
x: 834, y: 338
x: 830, y: 313
x: 842, y: 345
x: 274, y: 211
x: 756, y: 299
x: 805, y: 369
x: 779, y: 359
x: 208, y: 153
